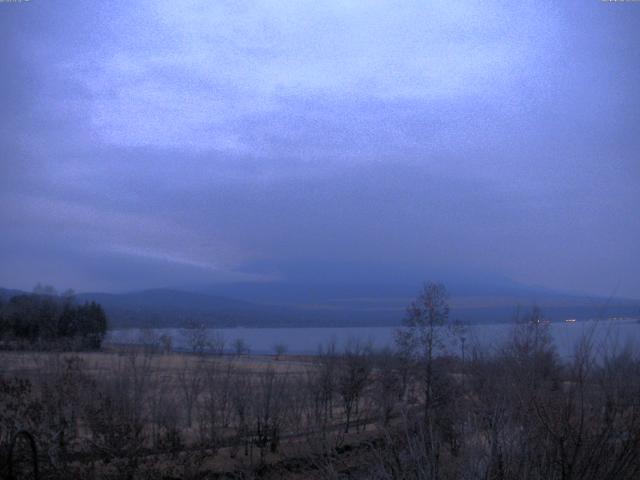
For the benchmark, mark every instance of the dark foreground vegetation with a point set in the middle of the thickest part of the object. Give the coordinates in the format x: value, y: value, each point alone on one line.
x: 46, y: 320
x: 418, y: 412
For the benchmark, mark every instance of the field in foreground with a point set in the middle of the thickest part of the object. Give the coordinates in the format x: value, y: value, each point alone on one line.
x: 515, y: 412
x: 118, y: 414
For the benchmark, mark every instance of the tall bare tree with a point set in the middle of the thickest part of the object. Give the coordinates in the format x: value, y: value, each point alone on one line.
x: 423, y: 334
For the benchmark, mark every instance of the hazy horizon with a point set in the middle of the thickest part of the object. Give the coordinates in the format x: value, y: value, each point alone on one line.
x: 184, y: 144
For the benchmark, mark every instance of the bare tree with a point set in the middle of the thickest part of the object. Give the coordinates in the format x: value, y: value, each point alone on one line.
x: 279, y: 349
x: 423, y: 334
x: 216, y: 408
x: 241, y: 401
x: 353, y: 375
x: 324, y: 381
x: 196, y: 337
x: 387, y: 383
x: 149, y: 340
x: 240, y: 347
x: 268, y: 410
x: 190, y: 380
x: 166, y: 343
x: 116, y: 414
x: 217, y: 343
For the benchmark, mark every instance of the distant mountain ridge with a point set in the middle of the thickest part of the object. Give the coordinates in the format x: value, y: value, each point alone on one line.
x: 173, y: 308
x: 338, y: 305
x: 166, y: 298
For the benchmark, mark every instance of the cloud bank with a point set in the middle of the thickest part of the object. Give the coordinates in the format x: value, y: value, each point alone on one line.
x: 167, y: 143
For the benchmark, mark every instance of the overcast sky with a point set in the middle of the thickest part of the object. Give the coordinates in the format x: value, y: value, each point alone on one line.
x: 159, y: 143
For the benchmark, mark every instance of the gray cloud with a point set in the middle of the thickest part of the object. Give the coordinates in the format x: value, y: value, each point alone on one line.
x: 159, y: 143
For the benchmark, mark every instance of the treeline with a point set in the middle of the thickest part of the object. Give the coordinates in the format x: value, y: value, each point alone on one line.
x: 48, y: 320
x: 437, y: 407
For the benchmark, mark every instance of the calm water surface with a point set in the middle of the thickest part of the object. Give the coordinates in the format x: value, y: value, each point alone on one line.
x: 609, y: 334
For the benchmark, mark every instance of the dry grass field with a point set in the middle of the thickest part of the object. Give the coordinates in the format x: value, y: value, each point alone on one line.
x: 100, y: 363
x: 139, y: 414
x: 193, y: 414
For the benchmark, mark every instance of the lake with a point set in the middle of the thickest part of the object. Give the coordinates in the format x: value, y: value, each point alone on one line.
x: 605, y: 333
